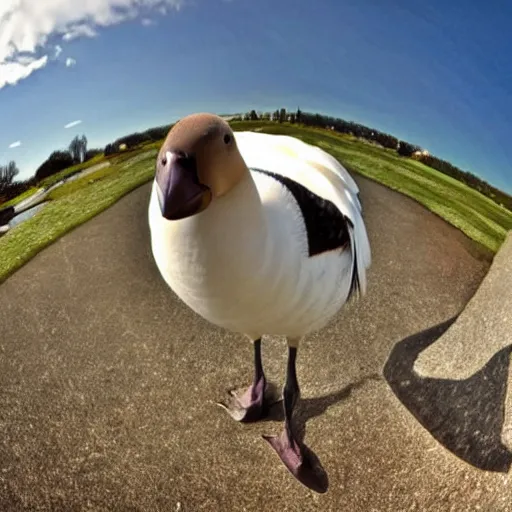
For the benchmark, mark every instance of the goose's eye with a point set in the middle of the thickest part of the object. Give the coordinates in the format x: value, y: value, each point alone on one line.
x: 227, y: 138
x: 164, y: 161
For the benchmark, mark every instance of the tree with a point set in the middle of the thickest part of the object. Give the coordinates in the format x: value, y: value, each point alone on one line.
x: 8, y: 173
x: 298, y: 115
x: 57, y: 161
x: 10, y: 188
x: 74, y: 149
x: 109, y: 150
x: 78, y: 149
x: 253, y: 116
x: 405, y: 149
x: 282, y: 115
x: 83, y: 154
x: 91, y: 153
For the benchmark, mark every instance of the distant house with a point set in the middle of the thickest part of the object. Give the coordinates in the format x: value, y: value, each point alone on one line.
x: 420, y: 153
x: 122, y: 147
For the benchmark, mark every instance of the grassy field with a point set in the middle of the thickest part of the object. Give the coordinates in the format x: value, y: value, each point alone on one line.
x: 71, y: 205
x: 54, y: 178
x: 15, y: 200
x: 76, y: 202
x: 480, y: 218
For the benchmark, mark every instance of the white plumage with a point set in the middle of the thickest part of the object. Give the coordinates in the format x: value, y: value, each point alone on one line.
x: 243, y: 262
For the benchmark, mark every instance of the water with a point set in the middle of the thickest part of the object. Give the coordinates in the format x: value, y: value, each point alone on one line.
x: 34, y: 197
x: 41, y: 194
x: 25, y: 215
x: 85, y: 172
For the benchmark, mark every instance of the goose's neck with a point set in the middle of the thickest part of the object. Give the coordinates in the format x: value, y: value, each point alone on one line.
x: 235, y: 220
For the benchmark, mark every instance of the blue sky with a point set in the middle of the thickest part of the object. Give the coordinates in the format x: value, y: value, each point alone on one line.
x: 438, y: 76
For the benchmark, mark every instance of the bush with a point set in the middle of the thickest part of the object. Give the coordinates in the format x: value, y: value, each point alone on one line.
x: 57, y: 161
x: 135, y: 139
x: 405, y: 149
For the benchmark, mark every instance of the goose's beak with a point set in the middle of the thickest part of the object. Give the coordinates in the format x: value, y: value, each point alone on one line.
x: 180, y: 194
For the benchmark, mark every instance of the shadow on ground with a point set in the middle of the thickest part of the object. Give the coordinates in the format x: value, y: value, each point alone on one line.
x: 465, y: 416
x: 307, y: 409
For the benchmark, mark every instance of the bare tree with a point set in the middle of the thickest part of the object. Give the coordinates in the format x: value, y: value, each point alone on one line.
x: 74, y: 149
x: 7, y: 184
x: 8, y: 173
x: 83, y: 144
x: 78, y: 148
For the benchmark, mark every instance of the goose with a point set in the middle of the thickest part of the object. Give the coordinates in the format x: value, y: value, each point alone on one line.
x: 259, y: 234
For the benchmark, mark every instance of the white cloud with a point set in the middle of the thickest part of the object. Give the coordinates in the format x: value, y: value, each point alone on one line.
x: 73, y: 123
x: 11, y: 72
x: 16, y: 144
x: 79, y: 31
x: 70, y: 62
x: 26, y: 27
x: 147, y: 22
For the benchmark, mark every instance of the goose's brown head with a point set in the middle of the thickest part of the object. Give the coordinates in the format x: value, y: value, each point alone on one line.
x: 198, y: 162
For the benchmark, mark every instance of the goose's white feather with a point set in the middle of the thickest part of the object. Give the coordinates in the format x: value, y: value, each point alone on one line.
x: 243, y: 263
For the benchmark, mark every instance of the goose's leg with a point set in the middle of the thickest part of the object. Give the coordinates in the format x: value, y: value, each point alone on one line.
x: 286, y: 445
x: 249, y: 405
x: 295, y: 455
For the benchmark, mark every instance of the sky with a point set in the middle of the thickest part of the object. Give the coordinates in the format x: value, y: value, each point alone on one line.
x: 436, y: 75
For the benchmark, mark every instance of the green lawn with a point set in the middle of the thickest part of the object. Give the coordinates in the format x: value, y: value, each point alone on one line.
x: 480, y: 218
x: 71, y: 205
x: 76, y: 202
x: 54, y: 178
x: 15, y: 200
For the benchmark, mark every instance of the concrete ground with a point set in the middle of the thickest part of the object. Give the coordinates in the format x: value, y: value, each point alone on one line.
x: 108, y: 383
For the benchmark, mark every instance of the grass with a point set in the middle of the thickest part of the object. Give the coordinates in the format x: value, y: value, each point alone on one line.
x: 476, y: 215
x: 16, y: 200
x: 76, y: 202
x: 54, y: 178
x: 51, y: 180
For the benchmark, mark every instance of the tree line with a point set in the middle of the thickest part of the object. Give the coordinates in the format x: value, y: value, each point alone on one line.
x: 403, y: 148
x: 134, y: 139
x: 9, y: 187
x: 77, y: 151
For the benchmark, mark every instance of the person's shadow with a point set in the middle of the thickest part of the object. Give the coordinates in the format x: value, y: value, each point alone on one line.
x: 465, y: 416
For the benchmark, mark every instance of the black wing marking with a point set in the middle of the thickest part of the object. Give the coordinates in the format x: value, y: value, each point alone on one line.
x: 355, y: 284
x: 326, y: 227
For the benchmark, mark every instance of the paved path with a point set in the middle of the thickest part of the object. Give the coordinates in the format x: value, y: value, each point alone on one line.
x: 108, y: 383
x: 482, y: 330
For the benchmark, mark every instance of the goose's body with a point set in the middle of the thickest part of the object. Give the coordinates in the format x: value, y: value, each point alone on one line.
x: 244, y: 263
x: 259, y: 234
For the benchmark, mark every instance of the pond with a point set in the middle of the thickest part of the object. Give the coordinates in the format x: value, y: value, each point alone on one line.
x: 18, y: 219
